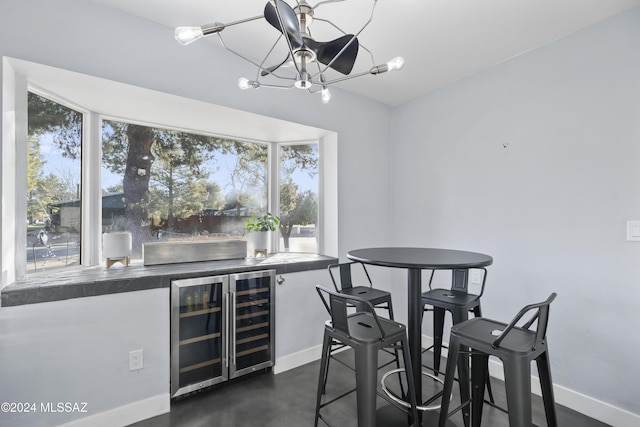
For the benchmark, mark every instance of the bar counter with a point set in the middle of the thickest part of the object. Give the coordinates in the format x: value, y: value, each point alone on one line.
x: 56, y: 285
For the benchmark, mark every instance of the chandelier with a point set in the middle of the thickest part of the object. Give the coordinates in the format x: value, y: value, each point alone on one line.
x: 309, y: 64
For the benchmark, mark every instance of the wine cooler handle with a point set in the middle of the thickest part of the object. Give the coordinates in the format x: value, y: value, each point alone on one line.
x: 232, y: 329
x: 225, y: 304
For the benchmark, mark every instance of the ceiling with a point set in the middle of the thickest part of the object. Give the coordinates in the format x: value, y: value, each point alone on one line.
x: 441, y: 40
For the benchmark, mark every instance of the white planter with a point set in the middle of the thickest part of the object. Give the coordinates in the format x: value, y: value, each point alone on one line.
x: 259, y: 240
x: 116, y: 245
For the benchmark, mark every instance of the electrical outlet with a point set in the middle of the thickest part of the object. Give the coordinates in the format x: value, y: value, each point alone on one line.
x: 476, y: 277
x: 136, y: 360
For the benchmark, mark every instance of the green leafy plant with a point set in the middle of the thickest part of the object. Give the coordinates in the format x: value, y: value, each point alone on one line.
x: 266, y: 222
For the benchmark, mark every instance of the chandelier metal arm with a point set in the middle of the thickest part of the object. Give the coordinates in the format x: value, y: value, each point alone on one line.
x: 261, y: 67
x: 217, y: 27
x: 272, y: 86
x: 239, y: 54
x: 350, y: 76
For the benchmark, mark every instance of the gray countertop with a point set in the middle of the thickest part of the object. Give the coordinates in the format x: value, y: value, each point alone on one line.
x: 56, y: 285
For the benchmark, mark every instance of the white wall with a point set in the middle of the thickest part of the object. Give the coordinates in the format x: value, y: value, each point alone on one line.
x: 550, y: 207
x: 77, y: 351
x: 145, y: 54
x: 84, y: 37
x: 101, y: 42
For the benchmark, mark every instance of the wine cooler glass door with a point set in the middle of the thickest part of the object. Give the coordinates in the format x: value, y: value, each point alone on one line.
x: 252, y: 322
x: 198, y: 333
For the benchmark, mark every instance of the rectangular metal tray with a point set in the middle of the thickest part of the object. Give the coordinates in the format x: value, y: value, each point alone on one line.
x: 155, y: 253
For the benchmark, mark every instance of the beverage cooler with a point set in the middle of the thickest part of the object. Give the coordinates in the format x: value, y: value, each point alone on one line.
x: 222, y: 327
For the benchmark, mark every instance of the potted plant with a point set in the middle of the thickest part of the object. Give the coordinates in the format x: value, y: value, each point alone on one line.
x: 259, y: 227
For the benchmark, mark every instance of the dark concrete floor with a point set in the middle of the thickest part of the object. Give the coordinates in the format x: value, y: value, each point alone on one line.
x: 288, y: 399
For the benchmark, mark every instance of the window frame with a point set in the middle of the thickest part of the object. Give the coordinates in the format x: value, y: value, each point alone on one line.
x: 85, y: 178
x: 91, y: 175
x: 19, y: 77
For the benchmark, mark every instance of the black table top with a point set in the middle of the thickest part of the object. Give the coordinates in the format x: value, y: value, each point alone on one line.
x: 427, y: 258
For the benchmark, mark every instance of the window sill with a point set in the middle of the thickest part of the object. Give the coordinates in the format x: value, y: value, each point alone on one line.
x: 95, y: 281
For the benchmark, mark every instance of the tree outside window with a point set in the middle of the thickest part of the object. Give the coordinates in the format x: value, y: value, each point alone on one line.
x: 299, y: 197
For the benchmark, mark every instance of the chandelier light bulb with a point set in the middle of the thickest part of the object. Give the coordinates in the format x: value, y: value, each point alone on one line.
x: 326, y: 95
x: 396, y: 63
x: 243, y: 83
x: 187, y: 35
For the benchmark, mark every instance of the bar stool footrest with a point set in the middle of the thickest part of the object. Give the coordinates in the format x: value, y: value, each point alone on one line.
x: 404, y: 403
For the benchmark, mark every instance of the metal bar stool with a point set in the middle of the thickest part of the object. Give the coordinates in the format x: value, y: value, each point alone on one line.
x: 366, y: 334
x: 344, y: 277
x: 516, y: 347
x: 459, y: 302
x: 456, y: 300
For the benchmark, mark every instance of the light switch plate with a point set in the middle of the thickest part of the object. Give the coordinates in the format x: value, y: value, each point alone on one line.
x: 633, y: 231
x: 136, y: 360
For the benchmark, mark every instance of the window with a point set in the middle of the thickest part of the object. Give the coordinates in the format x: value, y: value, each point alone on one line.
x: 70, y: 152
x: 298, y: 184
x: 161, y: 184
x: 53, y: 184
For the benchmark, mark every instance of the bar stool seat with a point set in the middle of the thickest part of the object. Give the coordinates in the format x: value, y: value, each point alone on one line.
x: 366, y: 334
x: 516, y: 347
x: 344, y: 281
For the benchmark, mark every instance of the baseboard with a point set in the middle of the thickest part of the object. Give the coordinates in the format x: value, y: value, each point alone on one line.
x: 294, y: 360
x: 127, y: 414
x: 579, y: 402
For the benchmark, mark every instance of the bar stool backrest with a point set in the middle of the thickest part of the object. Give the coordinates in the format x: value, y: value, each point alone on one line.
x: 337, y: 308
x: 541, y: 315
x: 460, y: 280
x: 344, y: 273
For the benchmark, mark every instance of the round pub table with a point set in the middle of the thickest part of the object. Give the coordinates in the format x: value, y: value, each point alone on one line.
x: 415, y: 260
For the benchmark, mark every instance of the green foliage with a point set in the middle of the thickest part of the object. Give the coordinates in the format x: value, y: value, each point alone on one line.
x: 266, y: 222
x: 299, y: 157
x: 296, y: 208
x: 65, y: 124
x: 49, y: 116
x: 35, y: 163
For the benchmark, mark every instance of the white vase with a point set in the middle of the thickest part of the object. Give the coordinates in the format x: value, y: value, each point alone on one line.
x: 259, y: 240
x: 116, y: 245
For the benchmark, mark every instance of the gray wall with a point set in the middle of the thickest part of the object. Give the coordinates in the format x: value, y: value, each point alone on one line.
x: 551, y: 206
